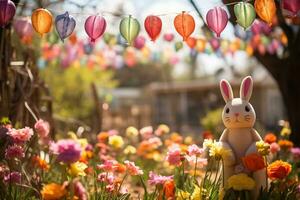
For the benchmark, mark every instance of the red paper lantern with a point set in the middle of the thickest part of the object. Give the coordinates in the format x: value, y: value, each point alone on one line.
x: 153, y: 26
x: 290, y: 8
x: 184, y: 25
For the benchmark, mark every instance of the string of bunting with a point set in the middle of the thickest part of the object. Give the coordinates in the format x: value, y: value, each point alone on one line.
x: 184, y: 23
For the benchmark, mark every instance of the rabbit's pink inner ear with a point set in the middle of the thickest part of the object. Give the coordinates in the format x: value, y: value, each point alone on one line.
x: 246, y: 86
x: 225, y: 89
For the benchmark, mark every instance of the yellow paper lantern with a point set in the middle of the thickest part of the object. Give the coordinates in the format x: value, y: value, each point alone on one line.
x: 266, y: 10
x: 41, y: 20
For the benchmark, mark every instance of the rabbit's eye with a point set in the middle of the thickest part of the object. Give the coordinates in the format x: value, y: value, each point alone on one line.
x: 247, y: 108
x: 227, y: 110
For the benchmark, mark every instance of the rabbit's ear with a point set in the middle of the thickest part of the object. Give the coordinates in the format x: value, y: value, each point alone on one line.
x: 226, y: 90
x: 246, y: 88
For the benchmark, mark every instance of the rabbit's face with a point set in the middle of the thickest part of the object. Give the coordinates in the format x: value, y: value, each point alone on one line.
x: 238, y: 112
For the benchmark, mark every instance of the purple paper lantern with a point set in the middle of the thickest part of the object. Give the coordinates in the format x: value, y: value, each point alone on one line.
x: 65, y: 25
x: 217, y: 20
x: 95, y: 27
x: 7, y: 12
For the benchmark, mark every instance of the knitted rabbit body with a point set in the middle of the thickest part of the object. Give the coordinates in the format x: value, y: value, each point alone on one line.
x: 239, y: 136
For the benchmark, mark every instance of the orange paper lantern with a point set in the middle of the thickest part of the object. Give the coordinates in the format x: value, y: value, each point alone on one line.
x: 266, y: 10
x: 200, y: 45
x: 191, y: 42
x: 41, y: 20
x: 184, y: 25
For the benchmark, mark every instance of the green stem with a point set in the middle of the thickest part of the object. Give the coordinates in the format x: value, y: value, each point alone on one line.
x: 195, y: 168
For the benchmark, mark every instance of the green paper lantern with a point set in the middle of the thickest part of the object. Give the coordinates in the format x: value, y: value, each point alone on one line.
x: 178, y: 46
x: 129, y: 29
x: 245, y: 14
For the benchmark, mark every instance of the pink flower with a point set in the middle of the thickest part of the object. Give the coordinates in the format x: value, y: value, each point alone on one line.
x: 67, y: 150
x: 194, y: 150
x: 201, y: 162
x: 80, y: 191
x: 174, y: 156
x: 108, y: 165
x: 20, y: 135
x: 42, y: 128
x: 155, y: 179
x: 296, y: 153
x: 274, y: 148
x: 13, y: 177
x: 132, y: 169
x: 146, y: 132
x: 106, y: 177
x: 155, y: 142
x: 14, y: 151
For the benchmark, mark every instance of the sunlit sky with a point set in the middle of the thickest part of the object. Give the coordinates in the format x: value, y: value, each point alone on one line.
x: 168, y: 10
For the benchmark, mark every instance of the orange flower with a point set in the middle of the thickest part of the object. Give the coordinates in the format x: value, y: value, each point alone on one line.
x: 168, y: 191
x: 103, y: 137
x: 270, y: 138
x: 53, y: 191
x: 253, y: 162
x: 207, y: 135
x: 285, y: 144
x: 40, y: 163
x: 279, y: 169
x: 119, y: 168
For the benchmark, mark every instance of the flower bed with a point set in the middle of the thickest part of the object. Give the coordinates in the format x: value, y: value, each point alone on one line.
x: 139, y: 164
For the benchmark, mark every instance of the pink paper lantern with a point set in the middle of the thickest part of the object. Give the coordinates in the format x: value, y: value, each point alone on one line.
x: 215, y: 44
x: 23, y: 27
x: 168, y: 37
x: 217, y: 20
x: 95, y: 27
x: 290, y: 8
x: 139, y: 42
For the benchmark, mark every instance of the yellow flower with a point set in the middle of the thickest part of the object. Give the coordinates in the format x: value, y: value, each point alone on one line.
x: 285, y: 131
x: 53, y: 191
x: 116, y: 141
x: 182, y: 195
x: 188, y: 140
x: 219, y: 152
x: 77, y: 169
x: 131, y: 131
x: 197, y: 193
x: 162, y: 129
x: 208, y: 143
x: 241, y: 182
x: 82, y: 141
x: 129, y: 150
x: 263, y: 148
x: 221, y: 194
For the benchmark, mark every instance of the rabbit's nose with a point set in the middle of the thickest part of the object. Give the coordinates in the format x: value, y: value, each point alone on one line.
x: 236, y: 114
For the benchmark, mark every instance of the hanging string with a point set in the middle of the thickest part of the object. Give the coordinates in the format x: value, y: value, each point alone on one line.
x: 120, y: 15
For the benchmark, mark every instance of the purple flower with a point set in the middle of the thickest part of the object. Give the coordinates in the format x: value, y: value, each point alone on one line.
x: 13, y: 177
x: 155, y: 179
x: 14, y: 151
x: 67, y: 150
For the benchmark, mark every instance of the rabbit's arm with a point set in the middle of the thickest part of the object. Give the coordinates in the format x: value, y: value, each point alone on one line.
x: 230, y: 159
x: 255, y: 135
